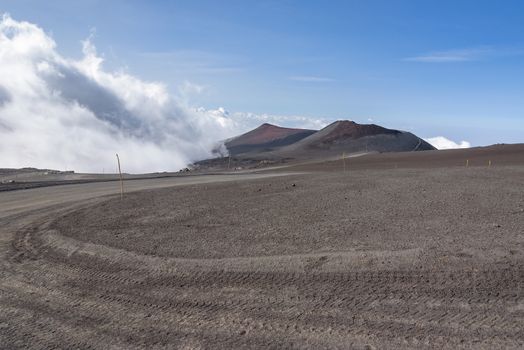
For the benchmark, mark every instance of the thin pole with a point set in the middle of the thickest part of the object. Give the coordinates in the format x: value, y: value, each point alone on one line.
x: 121, y: 179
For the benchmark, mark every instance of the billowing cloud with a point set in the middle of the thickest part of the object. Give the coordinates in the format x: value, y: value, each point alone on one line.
x: 4, y: 96
x: 440, y: 142
x: 57, y: 112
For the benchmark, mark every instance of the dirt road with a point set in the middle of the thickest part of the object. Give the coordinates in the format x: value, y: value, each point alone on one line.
x: 15, y: 202
x: 403, y: 258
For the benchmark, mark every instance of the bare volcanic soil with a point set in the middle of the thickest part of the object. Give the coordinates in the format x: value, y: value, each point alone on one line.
x: 362, y: 259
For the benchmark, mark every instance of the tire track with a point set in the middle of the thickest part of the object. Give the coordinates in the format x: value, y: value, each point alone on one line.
x: 55, y: 295
x: 362, y: 293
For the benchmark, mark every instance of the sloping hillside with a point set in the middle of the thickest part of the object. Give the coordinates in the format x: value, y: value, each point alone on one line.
x: 270, y: 144
x: 265, y: 138
x: 348, y: 136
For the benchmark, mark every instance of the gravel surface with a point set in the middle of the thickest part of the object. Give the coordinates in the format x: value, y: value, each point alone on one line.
x: 397, y: 258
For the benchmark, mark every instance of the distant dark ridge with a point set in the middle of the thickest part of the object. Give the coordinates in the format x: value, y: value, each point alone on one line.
x: 7, y: 171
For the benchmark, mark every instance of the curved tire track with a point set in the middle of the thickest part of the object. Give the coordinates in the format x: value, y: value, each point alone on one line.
x: 257, y: 308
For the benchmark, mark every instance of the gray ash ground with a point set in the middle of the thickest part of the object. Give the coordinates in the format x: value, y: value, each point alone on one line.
x: 396, y: 258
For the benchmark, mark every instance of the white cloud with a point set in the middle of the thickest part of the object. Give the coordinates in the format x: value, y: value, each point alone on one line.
x: 57, y: 112
x: 440, y: 142
x: 293, y: 121
x: 460, y: 55
x: 197, y: 61
x: 311, y: 79
x: 467, y: 54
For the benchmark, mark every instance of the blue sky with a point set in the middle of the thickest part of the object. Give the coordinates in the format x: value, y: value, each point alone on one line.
x: 437, y: 68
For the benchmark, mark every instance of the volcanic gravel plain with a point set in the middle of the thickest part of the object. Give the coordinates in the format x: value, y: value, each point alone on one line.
x: 395, y: 258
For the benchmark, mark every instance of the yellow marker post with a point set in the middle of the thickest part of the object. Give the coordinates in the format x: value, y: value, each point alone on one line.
x: 467, y: 163
x: 121, y: 179
x: 489, y: 164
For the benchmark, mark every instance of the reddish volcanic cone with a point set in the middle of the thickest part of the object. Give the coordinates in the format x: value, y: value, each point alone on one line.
x: 344, y: 129
x: 348, y: 136
x: 266, y: 137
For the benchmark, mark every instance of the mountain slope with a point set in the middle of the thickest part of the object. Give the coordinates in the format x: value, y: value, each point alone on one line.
x: 265, y: 138
x: 270, y: 144
x: 348, y: 136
